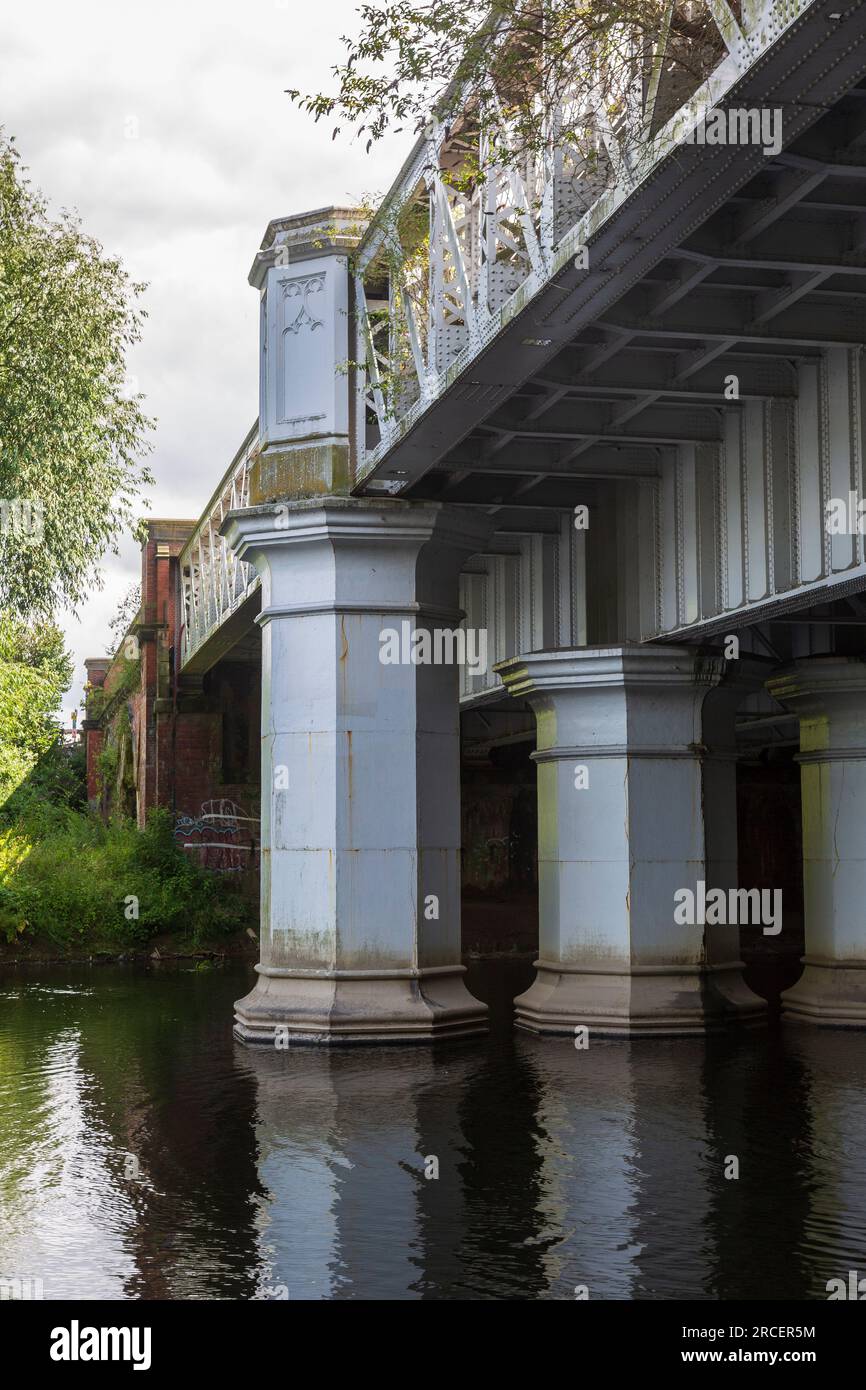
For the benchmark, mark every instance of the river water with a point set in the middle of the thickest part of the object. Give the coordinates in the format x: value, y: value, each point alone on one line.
x: 145, y: 1154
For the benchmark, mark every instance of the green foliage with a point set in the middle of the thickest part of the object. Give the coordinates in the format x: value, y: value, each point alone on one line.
x: 129, y: 679
x: 512, y: 60
x: 67, y: 877
x: 117, y: 733
x: 40, y: 645
x: 510, y: 85
x: 108, y: 763
x: 35, y: 670
x: 64, y: 875
x: 99, y: 698
x: 71, y: 437
x: 59, y: 778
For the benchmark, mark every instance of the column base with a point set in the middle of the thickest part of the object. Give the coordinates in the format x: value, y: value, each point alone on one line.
x: 640, y: 1004
x: 828, y: 994
x: 350, y: 1007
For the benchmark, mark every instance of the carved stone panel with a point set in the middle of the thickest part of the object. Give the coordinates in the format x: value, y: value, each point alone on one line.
x: 304, y: 351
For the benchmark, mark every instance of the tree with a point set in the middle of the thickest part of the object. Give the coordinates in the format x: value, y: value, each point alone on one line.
x: 512, y: 62
x: 71, y: 435
x: 35, y: 669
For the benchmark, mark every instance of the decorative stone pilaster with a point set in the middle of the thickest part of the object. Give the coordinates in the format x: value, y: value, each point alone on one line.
x: 360, y: 774
x: 301, y: 273
x: 623, y: 825
x: 829, y: 695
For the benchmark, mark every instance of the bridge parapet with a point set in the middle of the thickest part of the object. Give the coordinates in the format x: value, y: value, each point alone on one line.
x: 466, y: 238
x: 214, y: 581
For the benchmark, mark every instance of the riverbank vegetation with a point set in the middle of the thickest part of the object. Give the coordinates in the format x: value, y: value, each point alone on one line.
x: 69, y: 881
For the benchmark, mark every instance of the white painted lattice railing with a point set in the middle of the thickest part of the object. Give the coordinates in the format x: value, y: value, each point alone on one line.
x: 441, y: 270
x: 214, y: 581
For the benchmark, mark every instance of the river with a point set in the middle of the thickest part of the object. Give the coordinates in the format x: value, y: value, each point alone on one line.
x: 145, y: 1154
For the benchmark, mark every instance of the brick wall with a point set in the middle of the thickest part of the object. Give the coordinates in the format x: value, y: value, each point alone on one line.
x: 192, y: 743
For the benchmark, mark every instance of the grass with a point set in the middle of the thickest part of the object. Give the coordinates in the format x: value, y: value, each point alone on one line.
x: 69, y: 879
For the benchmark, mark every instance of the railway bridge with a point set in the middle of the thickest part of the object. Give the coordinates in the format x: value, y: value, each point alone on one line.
x: 567, y: 452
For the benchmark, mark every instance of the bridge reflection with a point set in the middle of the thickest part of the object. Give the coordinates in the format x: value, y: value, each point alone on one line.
x: 144, y: 1155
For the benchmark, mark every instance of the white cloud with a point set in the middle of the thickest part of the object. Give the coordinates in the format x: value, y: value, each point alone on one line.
x: 217, y: 150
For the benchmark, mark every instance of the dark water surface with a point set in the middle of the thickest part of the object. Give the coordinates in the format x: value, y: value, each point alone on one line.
x: 305, y: 1169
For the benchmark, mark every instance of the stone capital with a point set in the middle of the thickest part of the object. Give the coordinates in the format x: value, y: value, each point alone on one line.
x: 306, y: 236
x: 628, y: 698
x: 812, y: 686
x: 357, y: 552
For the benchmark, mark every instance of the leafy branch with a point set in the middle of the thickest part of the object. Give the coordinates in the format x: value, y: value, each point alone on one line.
x: 512, y: 63
x: 72, y: 435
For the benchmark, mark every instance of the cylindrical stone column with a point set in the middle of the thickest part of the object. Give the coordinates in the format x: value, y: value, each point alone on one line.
x: 360, y: 897
x: 829, y: 695
x: 622, y: 826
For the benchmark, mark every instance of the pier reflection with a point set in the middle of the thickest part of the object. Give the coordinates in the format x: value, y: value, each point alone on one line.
x: 143, y: 1154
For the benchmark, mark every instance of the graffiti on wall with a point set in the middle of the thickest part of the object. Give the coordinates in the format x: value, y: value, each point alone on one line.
x: 224, y: 837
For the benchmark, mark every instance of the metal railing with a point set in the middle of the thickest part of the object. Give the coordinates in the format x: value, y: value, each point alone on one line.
x: 214, y: 581
x: 442, y: 269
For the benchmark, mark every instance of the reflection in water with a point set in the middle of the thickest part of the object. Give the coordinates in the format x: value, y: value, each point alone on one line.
x: 144, y: 1154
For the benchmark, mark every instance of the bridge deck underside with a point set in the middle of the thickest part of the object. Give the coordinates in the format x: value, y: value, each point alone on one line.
x: 703, y: 373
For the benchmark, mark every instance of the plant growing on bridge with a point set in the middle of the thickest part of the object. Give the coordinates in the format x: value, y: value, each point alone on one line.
x: 531, y: 108
x: 513, y: 63
x: 127, y: 609
x: 400, y: 271
x: 125, y: 680
x: 71, y: 434
x: 108, y: 760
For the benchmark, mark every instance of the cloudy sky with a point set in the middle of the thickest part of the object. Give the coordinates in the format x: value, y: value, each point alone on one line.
x: 166, y: 125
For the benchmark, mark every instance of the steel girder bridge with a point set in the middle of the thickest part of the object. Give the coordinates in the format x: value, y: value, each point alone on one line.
x: 627, y: 391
